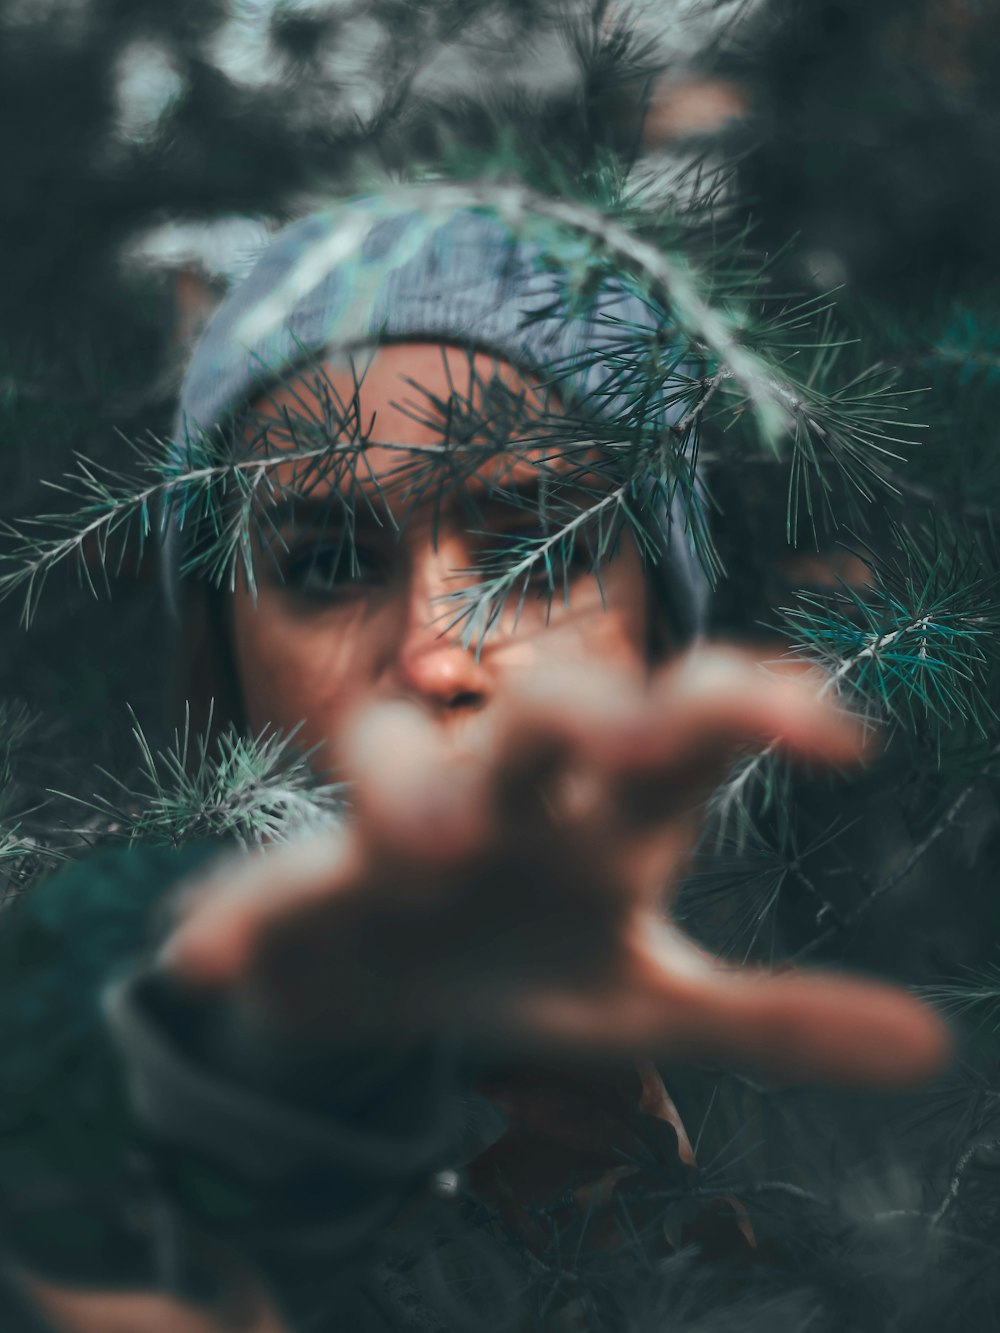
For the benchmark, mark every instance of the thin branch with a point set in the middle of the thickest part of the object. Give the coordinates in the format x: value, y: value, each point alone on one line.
x: 958, y: 1176
x: 851, y: 919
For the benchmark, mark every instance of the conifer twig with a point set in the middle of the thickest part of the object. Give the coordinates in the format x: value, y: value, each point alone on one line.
x: 958, y: 1177
x: 897, y: 876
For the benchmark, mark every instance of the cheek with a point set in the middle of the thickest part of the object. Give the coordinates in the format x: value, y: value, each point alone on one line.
x: 297, y: 673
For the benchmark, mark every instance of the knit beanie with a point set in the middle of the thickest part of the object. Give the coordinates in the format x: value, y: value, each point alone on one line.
x: 433, y: 263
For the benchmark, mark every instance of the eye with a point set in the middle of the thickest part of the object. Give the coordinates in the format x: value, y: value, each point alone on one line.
x: 332, y: 569
x: 559, y: 558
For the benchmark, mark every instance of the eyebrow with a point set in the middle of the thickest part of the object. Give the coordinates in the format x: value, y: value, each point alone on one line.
x: 512, y: 496
x: 528, y: 494
x: 315, y: 511
x: 312, y: 510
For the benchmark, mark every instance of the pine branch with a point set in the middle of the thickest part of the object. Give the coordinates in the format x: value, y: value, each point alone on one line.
x: 671, y: 282
x: 478, y: 607
x: 885, y: 886
x: 736, y: 1189
x: 737, y: 885
x: 966, y: 1159
x: 978, y: 991
x: 919, y: 642
x: 917, y: 645
x: 252, y: 790
x: 660, y: 378
x: 112, y: 506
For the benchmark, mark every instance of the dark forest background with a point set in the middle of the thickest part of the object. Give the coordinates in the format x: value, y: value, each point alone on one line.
x: 149, y: 148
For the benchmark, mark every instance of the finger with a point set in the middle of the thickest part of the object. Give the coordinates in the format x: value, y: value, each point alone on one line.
x: 647, y: 756
x: 704, y: 711
x: 827, y: 1029
x: 734, y: 698
x: 698, y: 714
x: 819, y: 1029
x: 544, y: 727
x: 225, y: 917
x: 807, y: 1027
x: 419, y: 800
x: 552, y: 739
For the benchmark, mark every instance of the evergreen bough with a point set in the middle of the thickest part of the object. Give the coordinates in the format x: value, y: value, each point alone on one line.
x: 837, y: 451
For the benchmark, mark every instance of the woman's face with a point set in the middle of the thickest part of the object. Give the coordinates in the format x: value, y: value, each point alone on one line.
x: 313, y: 649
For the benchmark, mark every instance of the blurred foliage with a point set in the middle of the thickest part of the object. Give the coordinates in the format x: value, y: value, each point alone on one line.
x: 781, y: 149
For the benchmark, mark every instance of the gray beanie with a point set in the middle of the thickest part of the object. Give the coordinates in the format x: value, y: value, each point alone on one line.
x: 439, y: 263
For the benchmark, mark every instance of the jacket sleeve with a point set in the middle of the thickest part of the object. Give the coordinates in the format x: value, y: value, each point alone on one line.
x: 109, y: 1066
x: 281, y: 1154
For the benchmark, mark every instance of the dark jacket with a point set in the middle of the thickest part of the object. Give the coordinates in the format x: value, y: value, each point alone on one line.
x: 133, y: 1129
x: 140, y: 1132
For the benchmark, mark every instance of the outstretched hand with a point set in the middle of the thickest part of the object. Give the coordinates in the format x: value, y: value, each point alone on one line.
x: 507, y: 884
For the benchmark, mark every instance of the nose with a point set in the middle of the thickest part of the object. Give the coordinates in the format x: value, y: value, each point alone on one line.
x: 431, y: 664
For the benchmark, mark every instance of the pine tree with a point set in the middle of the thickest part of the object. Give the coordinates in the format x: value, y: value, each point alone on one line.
x: 836, y: 448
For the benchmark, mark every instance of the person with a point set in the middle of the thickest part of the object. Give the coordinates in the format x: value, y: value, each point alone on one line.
x: 249, y: 1071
